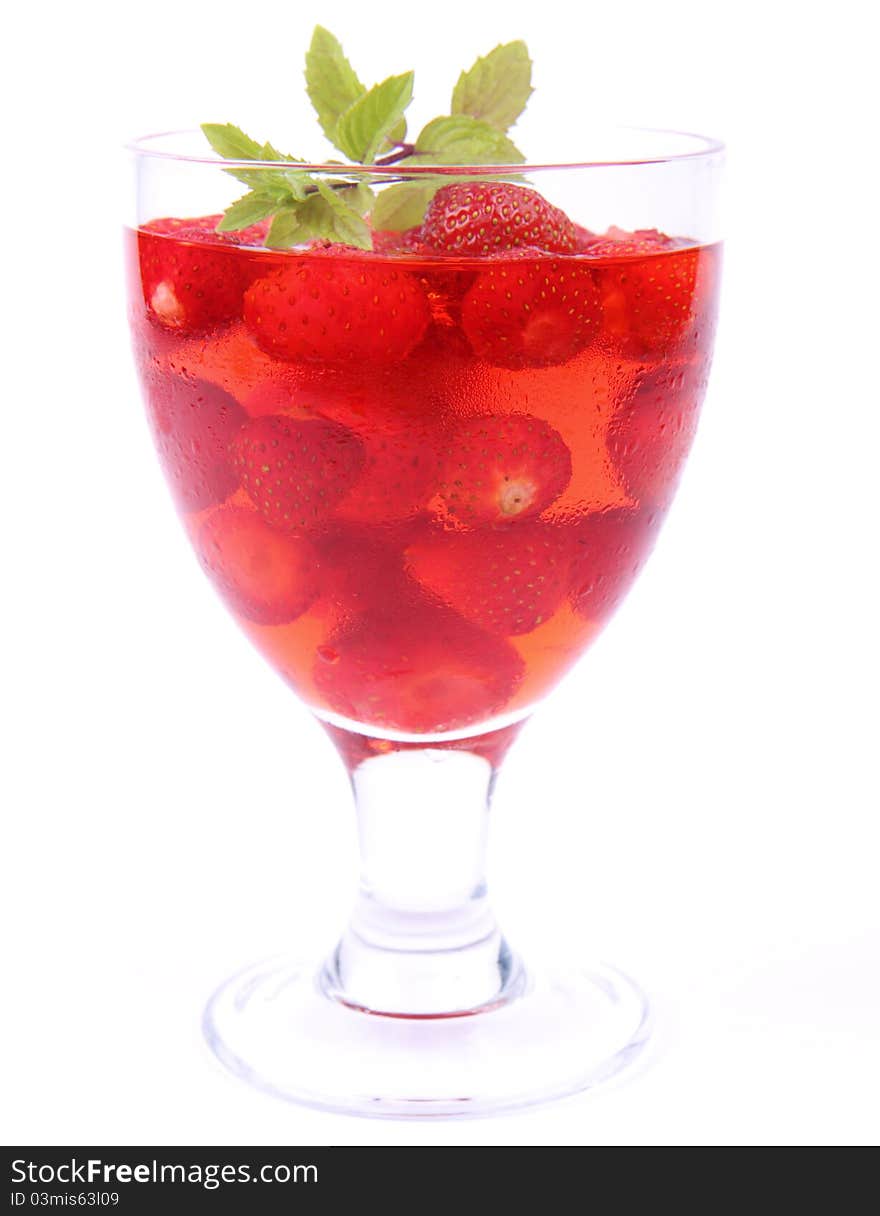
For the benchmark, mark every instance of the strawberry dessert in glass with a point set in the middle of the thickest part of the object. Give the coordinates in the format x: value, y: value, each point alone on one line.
x: 422, y: 426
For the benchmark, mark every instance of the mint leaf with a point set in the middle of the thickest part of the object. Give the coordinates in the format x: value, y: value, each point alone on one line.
x: 369, y: 121
x: 280, y: 184
x: 331, y: 82
x: 230, y: 141
x: 463, y: 140
x: 248, y: 210
x: 497, y: 87
x: 343, y: 219
x: 403, y: 206
x: 327, y: 214
x: 232, y: 144
x: 284, y: 230
x: 303, y: 207
x: 358, y: 196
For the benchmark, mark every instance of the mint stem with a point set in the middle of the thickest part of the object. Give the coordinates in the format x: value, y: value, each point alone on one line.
x: 401, y: 152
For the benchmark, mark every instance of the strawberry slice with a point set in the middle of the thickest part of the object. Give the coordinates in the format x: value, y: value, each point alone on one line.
x: 424, y: 670
x: 193, y: 422
x: 190, y: 282
x: 610, y: 548
x: 536, y: 312
x: 501, y: 468
x: 477, y: 218
x: 652, y: 430
x: 507, y: 581
x: 330, y: 308
x: 263, y: 575
x: 295, y: 472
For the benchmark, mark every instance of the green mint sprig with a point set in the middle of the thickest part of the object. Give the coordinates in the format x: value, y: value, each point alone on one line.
x: 368, y: 126
x: 333, y: 86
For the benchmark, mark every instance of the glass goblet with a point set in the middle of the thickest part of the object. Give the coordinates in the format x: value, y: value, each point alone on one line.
x: 422, y: 483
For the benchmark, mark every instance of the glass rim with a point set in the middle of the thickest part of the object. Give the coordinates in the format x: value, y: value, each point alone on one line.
x: 705, y: 146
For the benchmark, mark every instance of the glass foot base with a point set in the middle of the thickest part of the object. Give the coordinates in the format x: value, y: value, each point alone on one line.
x: 562, y: 1033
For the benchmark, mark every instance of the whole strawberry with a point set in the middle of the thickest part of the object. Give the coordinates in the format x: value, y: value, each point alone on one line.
x: 295, y: 472
x: 337, y: 309
x: 618, y: 243
x: 399, y: 474
x: 262, y: 574
x: 498, y: 469
x: 508, y: 581
x: 609, y: 549
x: 193, y: 423
x: 650, y: 291
x: 362, y: 566
x: 426, y: 670
x: 190, y: 283
x: 535, y: 312
x: 493, y: 217
x: 204, y: 228
x: 652, y: 430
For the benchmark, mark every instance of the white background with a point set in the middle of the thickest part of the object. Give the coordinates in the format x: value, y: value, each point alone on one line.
x: 699, y: 801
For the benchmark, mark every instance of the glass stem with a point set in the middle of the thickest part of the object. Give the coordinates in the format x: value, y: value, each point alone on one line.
x: 422, y: 939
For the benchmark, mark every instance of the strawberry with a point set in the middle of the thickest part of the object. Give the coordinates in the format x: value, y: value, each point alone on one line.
x: 444, y: 284
x: 440, y: 380
x: 500, y: 468
x: 537, y: 312
x: 362, y: 566
x: 386, y: 240
x: 648, y: 295
x: 422, y: 670
x: 652, y: 430
x: 295, y: 472
x: 399, y: 422
x: 193, y: 422
x: 279, y: 394
x: 477, y: 218
x: 507, y: 581
x: 328, y: 308
x: 610, y: 548
x: 263, y: 575
x: 583, y: 238
x: 204, y: 228
x: 190, y: 282
x: 358, y: 396
x: 618, y: 243
x: 399, y: 474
